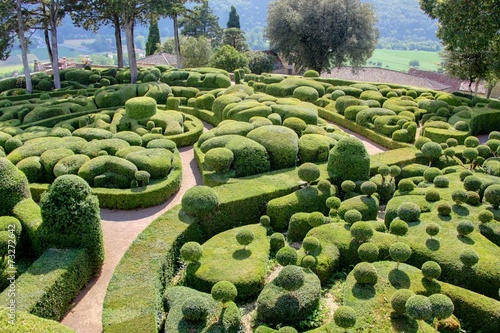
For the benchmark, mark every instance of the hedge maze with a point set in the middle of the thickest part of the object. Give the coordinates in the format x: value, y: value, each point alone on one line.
x: 292, y: 211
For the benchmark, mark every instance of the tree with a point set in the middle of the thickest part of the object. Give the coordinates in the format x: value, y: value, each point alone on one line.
x: 24, y: 45
x: 228, y: 58
x: 201, y: 21
x: 196, y: 52
x: 469, y: 32
x: 236, y: 38
x: 319, y: 34
x: 153, y: 37
x: 8, y: 27
x: 260, y: 62
x: 234, y: 19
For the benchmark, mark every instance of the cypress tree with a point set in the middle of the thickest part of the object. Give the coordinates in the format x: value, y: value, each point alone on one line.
x: 234, y: 19
x: 153, y: 37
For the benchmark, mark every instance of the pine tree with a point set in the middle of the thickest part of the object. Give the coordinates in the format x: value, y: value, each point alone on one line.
x: 234, y: 19
x: 153, y: 37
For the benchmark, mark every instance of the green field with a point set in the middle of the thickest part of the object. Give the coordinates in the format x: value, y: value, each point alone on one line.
x: 399, y: 60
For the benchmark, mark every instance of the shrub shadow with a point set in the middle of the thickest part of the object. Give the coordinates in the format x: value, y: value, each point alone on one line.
x: 432, y: 286
x: 432, y: 244
x: 460, y: 210
x: 399, y: 279
x: 402, y: 323
x: 242, y: 254
x: 466, y: 240
x: 444, y: 218
x: 363, y: 291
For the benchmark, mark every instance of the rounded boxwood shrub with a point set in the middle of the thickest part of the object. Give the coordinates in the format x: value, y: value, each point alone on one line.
x: 310, y: 244
x: 315, y: 219
x: 470, y: 154
x: 471, y: 142
x: 195, y: 308
x: 418, y: 307
x: 459, y: 196
x: 399, y: 299
x: 324, y: 185
x: 432, y: 195
x: 333, y: 202
x: 485, y: 216
x: 431, y: 173
x: 432, y: 229
x: 494, y: 135
x: 219, y: 159
x: 406, y: 185
x: 344, y: 317
x: 352, y: 216
x: 421, y: 141
x: 70, y: 165
x: 368, y: 188
x: 349, y: 160
x: 348, y: 186
x: 311, y: 73
x: 71, y: 219
x: 291, y: 277
x: 441, y: 181
x: 265, y: 221
x: 361, y: 231
x: 431, y: 270
x: 399, y: 252
x: 296, y: 124
x: 32, y: 168
x: 200, y: 200
x: 245, y: 237
x: 465, y: 227
x: 368, y: 252
x: 287, y: 329
x: 140, y: 107
x: 441, y: 305
x: 306, y: 94
x: 365, y: 273
x: 492, y: 195
x: 308, y: 261
x: 398, y: 227
x: 469, y: 257
x: 384, y: 170
x: 308, y: 172
x: 409, y: 211
x: 444, y: 209
x: 431, y: 150
x: 191, y: 251
x: 452, y: 142
x: 287, y: 255
x: 472, y: 183
x: 395, y: 171
x: 473, y: 198
x: 277, y: 241
x: 484, y: 151
x: 224, y: 291
x: 462, y: 126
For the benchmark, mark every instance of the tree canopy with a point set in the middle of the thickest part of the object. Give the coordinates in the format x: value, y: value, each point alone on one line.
x: 320, y: 34
x: 201, y: 21
x: 234, y: 19
x: 153, y: 37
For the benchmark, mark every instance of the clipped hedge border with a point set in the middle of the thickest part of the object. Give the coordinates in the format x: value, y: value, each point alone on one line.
x: 26, y: 322
x: 51, y: 283
x: 154, y: 194
x: 30, y: 216
x: 368, y: 133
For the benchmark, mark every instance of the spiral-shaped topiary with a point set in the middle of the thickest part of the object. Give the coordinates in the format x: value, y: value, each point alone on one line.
x: 353, y: 216
x: 195, y: 308
x: 344, y: 317
x: 310, y: 244
x: 219, y: 159
x: 431, y: 270
x: 191, y: 251
x: 465, y: 227
x: 291, y: 277
x: 399, y: 299
x: 469, y: 257
x: 361, y: 231
x: 224, y: 291
x: 200, y: 200
x: 409, y: 211
x: 365, y: 273
x: 368, y: 188
x: 485, y: 216
x: 398, y: 227
x: 419, y: 307
x: 368, y: 252
x: 399, y: 252
x: 286, y: 256
x: 432, y: 229
x: 441, y: 305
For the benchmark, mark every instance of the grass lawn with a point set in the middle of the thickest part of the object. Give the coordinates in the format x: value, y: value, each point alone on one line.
x: 399, y: 60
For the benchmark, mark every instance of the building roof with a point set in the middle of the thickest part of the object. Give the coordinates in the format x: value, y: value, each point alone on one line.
x: 161, y: 58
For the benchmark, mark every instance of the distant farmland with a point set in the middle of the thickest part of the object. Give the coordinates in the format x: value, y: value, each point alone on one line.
x: 399, y: 60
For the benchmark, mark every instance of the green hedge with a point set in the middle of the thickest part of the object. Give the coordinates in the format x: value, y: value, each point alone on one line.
x: 51, y: 283
x: 26, y: 322
x: 484, y: 121
x: 29, y: 214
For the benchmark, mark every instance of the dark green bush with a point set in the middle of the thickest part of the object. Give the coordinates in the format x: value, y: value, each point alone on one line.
x: 308, y: 261
x: 191, y: 251
x: 13, y: 186
x: 306, y: 94
x: 432, y: 195
x: 311, y: 244
x: 365, y: 273
x: 409, y: 212
x: 432, y: 229
x: 399, y: 299
x: 465, y: 227
x: 352, y: 216
x: 308, y: 172
x: 195, y: 308
x: 399, y: 252
x: 469, y: 257
x: 472, y: 183
x: 245, y: 237
x: 286, y: 256
x: 32, y: 168
x: 345, y: 317
x: 485, y: 216
x: 200, y: 200
x: 471, y: 142
x: 361, y: 231
x: 441, y: 305
x: 444, y: 209
x: 431, y: 270
x: 398, y: 227
x: 348, y: 186
x: 156, y: 161
x: 349, y: 160
x: 224, y: 292
x: 291, y: 277
x: 368, y: 188
x: 368, y: 252
x: 492, y: 195
x: 441, y: 181
x: 406, y: 185
x: 277, y: 241
x: 367, y: 206
x: 459, y: 196
x: 70, y: 164
x: 431, y: 173
x: 419, y: 307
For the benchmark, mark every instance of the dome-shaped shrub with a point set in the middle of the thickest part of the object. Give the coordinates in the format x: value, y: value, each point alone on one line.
x: 418, y: 307
x: 306, y: 94
x: 431, y: 150
x: 352, y: 216
x: 472, y: 183
x: 245, y: 237
x: 291, y: 277
x: 494, y: 135
x: 308, y: 172
x: 344, y: 317
x: 484, y: 151
x: 465, y: 173
x: 492, y: 195
x: 140, y: 107
x: 462, y: 126
x: 311, y: 73
x: 441, y: 181
x: 465, y: 227
x: 395, y: 171
x: 368, y: 252
x: 286, y: 256
x: 368, y: 188
x: 409, y: 212
x: 431, y: 270
x: 452, y: 142
x: 13, y: 186
x: 324, y: 185
x: 384, y: 170
x: 333, y: 202
x: 308, y: 261
x: 471, y: 142
x: 200, y: 200
x: 195, y: 308
x: 348, y: 186
x: 432, y: 195
x: 444, y: 209
x: 469, y: 257
x: 432, y: 229
x: 406, y: 185
x: 399, y: 252
x: 296, y: 124
x: 419, y: 143
x: 224, y: 291
x: 485, y: 216
x: 315, y: 219
x: 310, y: 244
x: 219, y: 159
x: 191, y: 251
x: 349, y: 159
x: 265, y: 221
x: 398, y: 227
x: 459, y: 196
x: 365, y: 273
x: 470, y: 154
x: 431, y: 173
x: 361, y: 231
x: 441, y: 305
x: 399, y: 299
x: 277, y: 241
x: 287, y: 329
x: 449, y: 152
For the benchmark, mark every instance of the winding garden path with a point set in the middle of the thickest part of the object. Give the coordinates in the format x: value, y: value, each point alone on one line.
x: 120, y: 228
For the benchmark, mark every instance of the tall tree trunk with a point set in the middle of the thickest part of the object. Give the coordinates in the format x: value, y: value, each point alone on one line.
x: 118, y: 40
x: 54, y: 9
x: 129, y: 34
x: 47, y: 42
x: 24, y: 48
x: 177, y: 42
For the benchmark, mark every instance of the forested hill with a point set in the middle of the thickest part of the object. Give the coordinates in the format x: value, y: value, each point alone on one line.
x: 400, y: 21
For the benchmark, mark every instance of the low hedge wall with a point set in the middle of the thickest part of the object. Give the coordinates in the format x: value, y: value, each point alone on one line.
x: 47, y: 288
x: 30, y: 216
x: 484, y: 121
x: 153, y: 194
x: 26, y: 322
